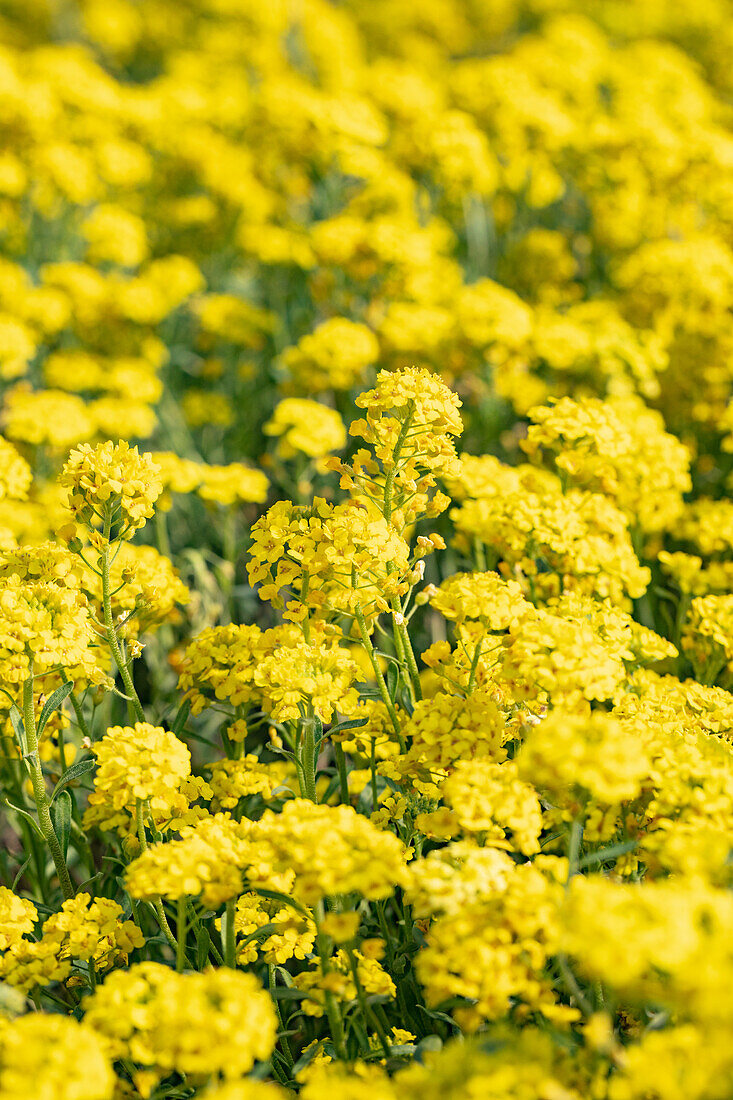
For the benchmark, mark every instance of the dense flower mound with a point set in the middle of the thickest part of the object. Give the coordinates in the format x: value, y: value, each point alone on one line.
x: 366, y: 550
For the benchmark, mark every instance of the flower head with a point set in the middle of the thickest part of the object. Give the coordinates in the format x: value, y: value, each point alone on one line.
x: 111, y: 486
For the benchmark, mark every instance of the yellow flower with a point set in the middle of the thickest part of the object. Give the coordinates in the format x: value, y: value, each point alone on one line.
x: 138, y: 762
x: 331, y: 850
x: 205, y: 862
x: 15, y: 473
x: 113, y: 484
x: 341, y: 927
x: 17, y: 917
x: 595, y: 756
x: 52, y: 417
x: 335, y: 356
x: 335, y: 558
x: 56, y: 1057
x: 232, y: 484
x: 306, y: 427
x: 217, y: 1023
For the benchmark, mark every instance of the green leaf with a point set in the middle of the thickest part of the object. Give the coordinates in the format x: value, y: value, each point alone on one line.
x: 61, y: 817
x: 317, y: 731
x: 611, y: 852
x: 350, y: 724
x: 53, y: 703
x: 434, y: 1014
x: 286, y: 976
x: 181, y: 718
x: 21, y: 872
x: 280, y: 993
x: 78, y: 768
x: 17, y: 720
x: 121, y: 694
x: 24, y: 813
x: 393, y: 679
x: 284, y: 899
x: 203, y: 943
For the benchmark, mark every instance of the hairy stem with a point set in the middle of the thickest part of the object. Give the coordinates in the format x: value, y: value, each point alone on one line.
x: 40, y: 794
x: 158, y: 903
x: 113, y: 640
x: 381, y: 684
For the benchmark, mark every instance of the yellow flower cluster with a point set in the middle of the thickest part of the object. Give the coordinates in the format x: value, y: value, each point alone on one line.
x: 92, y: 929
x: 334, y: 558
x: 146, y: 589
x: 205, y: 862
x: 286, y: 934
x: 529, y: 526
x: 491, y: 800
x: 55, y: 1056
x: 511, y: 931
x: 17, y: 918
x: 335, y: 356
x: 111, y: 486
x: 15, y: 473
x: 340, y: 982
x: 355, y: 857
x: 307, y: 428
x: 84, y: 929
x: 219, y: 664
x: 140, y: 763
x: 575, y: 757
x: 45, y: 622
x: 411, y: 417
x: 210, y: 1025
x: 619, y: 449
x: 366, y: 769
x: 676, y: 936
x: 707, y: 636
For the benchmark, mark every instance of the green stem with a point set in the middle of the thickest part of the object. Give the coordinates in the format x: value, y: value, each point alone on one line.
x: 181, y: 934
x: 113, y: 640
x: 228, y: 942
x: 576, y: 839
x: 366, y: 1010
x: 474, y: 667
x: 284, y: 1044
x: 572, y: 986
x: 161, y: 533
x: 195, y: 923
x: 308, y: 759
x: 40, y: 794
x: 332, y: 1009
x: 157, y: 902
x: 389, y: 480
x: 408, y: 650
x: 384, y: 693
